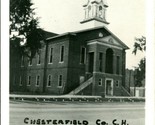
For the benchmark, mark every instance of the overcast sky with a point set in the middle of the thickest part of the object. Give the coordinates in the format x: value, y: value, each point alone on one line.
x: 126, y: 17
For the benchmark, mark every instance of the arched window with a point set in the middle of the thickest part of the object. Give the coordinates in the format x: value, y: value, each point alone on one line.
x: 100, y: 8
x: 109, y: 61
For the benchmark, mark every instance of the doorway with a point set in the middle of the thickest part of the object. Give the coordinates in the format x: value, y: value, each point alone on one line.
x: 109, y: 87
x: 91, y: 62
x: 109, y: 61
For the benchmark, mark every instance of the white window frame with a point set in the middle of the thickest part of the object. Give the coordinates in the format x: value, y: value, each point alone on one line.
x: 81, y: 55
x: 100, y: 82
x: 37, y: 80
x: 50, y: 80
x: 60, y: 59
x: 51, y: 50
x: 29, y: 80
x: 61, y: 81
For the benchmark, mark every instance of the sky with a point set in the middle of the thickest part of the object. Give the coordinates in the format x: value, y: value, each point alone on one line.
x: 127, y: 20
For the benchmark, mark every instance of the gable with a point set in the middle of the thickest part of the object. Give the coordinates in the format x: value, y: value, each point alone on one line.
x: 111, y: 40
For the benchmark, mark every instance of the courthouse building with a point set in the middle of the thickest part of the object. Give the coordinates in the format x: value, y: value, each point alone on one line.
x: 86, y: 62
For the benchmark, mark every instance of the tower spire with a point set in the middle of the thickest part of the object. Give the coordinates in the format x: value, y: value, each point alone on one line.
x: 95, y: 13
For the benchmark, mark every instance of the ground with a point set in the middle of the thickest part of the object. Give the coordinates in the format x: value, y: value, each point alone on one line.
x: 21, y: 113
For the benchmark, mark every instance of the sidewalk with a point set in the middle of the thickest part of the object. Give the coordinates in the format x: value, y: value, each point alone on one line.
x: 73, y: 98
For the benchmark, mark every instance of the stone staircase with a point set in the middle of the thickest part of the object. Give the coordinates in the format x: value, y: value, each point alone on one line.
x: 81, y: 87
x: 125, y: 92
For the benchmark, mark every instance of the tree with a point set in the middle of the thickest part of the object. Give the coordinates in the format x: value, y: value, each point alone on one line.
x: 25, y: 34
x: 140, y: 73
x: 140, y: 44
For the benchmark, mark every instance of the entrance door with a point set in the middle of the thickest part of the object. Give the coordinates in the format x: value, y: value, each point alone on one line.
x: 109, y: 87
x: 91, y: 62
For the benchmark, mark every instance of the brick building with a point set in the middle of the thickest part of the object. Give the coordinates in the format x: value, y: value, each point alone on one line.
x: 86, y: 62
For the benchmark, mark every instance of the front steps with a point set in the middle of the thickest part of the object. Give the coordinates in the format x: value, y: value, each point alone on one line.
x: 125, y: 92
x: 81, y: 87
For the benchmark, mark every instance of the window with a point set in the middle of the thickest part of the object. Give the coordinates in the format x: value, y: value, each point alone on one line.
x: 117, y: 65
x: 38, y: 58
x: 37, y: 80
x: 100, y: 61
x: 49, y: 80
x: 62, y: 54
x: 60, y: 81
x: 29, y: 81
x: 30, y: 59
x: 22, y: 61
x: 14, y: 80
x: 100, y: 7
x: 117, y: 83
x: 51, y: 55
x: 83, y: 55
x: 20, y: 81
x: 30, y: 62
x: 100, y: 82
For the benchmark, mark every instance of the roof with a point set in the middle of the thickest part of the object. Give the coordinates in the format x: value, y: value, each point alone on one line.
x: 117, y: 38
x: 87, y: 30
x: 60, y: 35
x: 97, y: 1
x: 47, y: 34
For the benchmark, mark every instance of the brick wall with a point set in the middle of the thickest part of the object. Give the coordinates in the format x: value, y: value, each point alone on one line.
x: 70, y: 68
